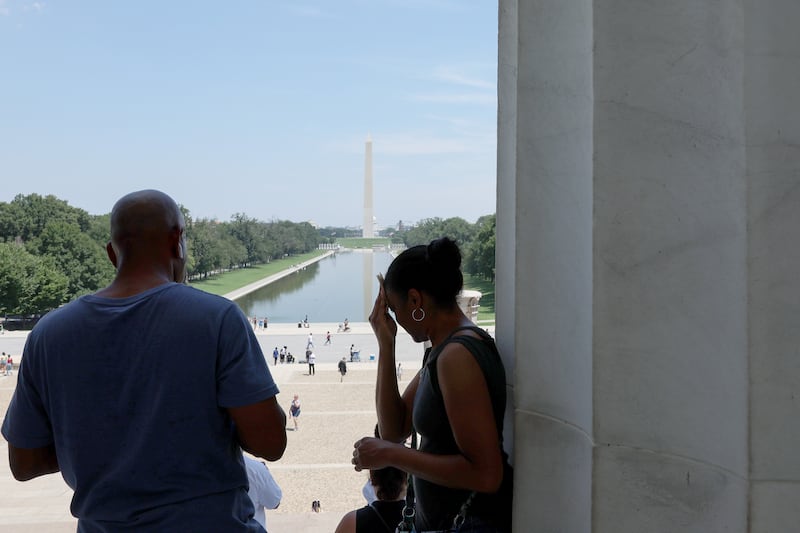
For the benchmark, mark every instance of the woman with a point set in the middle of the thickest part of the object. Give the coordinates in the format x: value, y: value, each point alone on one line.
x: 294, y: 411
x: 455, y: 402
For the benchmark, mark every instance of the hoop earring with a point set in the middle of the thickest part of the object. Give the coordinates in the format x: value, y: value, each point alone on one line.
x: 414, y: 314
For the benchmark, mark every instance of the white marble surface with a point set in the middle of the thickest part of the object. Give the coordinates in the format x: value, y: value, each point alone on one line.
x: 552, y: 476
x: 694, y: 194
x: 774, y: 215
x: 774, y: 507
x: 637, y: 490
x: 547, y: 184
x: 670, y: 271
x: 773, y: 170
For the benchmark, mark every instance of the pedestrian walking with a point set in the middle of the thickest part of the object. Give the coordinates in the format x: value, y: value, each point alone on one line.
x: 294, y: 411
x: 342, y: 369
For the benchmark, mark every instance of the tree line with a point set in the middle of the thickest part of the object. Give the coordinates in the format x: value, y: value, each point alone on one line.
x: 51, y: 252
x: 477, y: 241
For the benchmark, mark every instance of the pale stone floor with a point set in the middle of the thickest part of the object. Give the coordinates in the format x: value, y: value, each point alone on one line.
x: 316, y: 464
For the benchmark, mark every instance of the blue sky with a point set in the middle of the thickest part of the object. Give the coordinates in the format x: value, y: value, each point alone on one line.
x: 257, y: 107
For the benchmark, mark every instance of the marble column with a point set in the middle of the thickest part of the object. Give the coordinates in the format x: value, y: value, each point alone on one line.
x: 623, y: 243
x: 773, y: 172
x: 544, y: 255
x: 670, y: 272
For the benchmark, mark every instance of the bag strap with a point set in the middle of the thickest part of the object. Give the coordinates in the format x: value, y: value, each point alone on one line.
x: 485, y: 353
x: 407, y: 522
x: 371, y: 506
x: 470, y: 342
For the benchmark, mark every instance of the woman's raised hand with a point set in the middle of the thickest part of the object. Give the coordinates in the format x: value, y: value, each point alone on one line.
x: 382, y: 323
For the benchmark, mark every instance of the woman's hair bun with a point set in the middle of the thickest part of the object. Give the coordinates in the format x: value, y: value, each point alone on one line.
x: 434, y: 268
x: 445, y: 253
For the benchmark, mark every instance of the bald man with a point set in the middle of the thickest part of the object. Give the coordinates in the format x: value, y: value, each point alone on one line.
x: 144, y: 394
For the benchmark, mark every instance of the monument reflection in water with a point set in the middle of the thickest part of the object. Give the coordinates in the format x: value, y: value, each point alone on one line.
x: 341, y: 286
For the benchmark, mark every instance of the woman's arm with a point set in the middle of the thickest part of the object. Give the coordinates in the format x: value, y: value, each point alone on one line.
x: 394, y: 411
x: 479, y: 464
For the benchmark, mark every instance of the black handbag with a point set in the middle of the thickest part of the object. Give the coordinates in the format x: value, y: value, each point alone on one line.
x: 407, y: 522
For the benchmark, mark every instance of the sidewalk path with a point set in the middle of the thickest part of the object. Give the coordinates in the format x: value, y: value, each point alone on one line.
x: 247, y: 289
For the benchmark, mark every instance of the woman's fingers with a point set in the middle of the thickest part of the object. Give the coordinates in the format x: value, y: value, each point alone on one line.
x: 376, y: 308
x: 379, y: 318
x: 356, y: 460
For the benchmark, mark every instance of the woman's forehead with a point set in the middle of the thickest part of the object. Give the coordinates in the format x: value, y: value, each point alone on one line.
x: 392, y: 298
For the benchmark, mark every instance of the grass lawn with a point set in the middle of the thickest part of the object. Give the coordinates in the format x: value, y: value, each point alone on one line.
x: 486, y: 309
x: 361, y: 242
x: 236, y: 279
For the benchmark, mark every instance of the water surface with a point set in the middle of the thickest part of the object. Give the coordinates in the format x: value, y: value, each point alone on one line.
x: 338, y: 287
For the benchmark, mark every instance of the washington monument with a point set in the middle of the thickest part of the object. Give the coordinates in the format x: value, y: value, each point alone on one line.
x: 369, y: 224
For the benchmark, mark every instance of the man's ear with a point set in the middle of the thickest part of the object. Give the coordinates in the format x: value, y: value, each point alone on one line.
x: 112, y: 255
x: 177, y: 244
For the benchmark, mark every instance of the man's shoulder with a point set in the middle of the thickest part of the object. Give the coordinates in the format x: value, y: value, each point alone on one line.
x: 58, y: 315
x: 201, y: 297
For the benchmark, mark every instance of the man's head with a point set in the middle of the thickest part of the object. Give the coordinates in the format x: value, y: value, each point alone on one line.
x: 147, y: 234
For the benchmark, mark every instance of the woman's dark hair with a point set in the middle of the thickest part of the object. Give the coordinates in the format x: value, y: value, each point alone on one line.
x: 435, y: 269
x: 389, y: 482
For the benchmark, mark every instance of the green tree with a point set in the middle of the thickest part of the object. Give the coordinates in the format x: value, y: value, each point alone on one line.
x: 29, y: 284
x: 76, y: 254
x: 33, y: 212
x: 429, y: 229
x: 10, y: 216
x: 480, y: 255
x: 100, y: 228
x: 212, y: 247
x: 244, y: 229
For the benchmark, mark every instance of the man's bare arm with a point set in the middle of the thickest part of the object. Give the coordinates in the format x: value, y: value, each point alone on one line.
x: 261, y: 428
x: 28, y: 463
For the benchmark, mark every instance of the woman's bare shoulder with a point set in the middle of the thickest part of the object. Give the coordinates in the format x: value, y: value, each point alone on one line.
x: 347, y: 524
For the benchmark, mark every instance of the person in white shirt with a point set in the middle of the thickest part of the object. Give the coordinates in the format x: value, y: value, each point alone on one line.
x: 264, y: 491
x: 312, y: 360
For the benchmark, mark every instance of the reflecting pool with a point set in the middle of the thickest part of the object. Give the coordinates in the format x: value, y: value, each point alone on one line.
x: 338, y: 287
